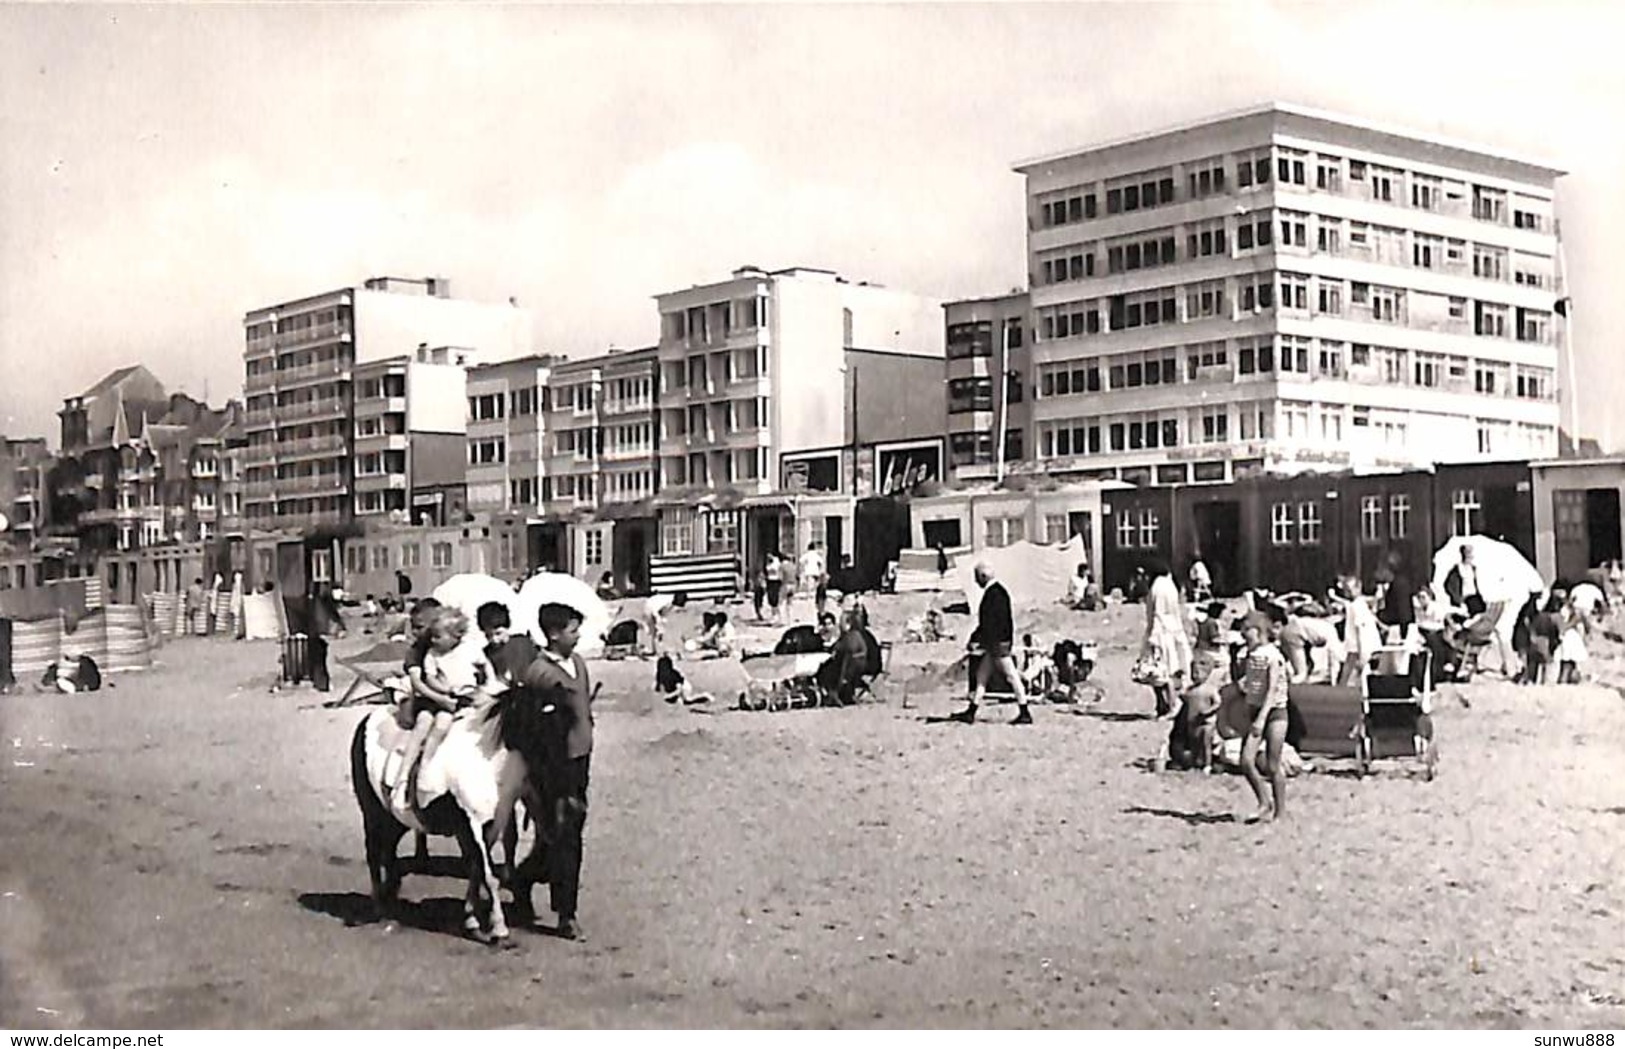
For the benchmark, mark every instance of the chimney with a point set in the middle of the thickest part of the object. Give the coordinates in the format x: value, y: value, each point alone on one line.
x: 438, y: 287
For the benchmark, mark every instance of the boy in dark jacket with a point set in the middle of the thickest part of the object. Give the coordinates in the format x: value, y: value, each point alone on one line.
x: 559, y: 677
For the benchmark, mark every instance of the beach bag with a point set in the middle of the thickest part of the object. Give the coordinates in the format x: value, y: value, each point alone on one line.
x: 1148, y: 670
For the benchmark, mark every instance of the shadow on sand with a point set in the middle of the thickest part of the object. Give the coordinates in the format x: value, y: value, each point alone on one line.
x: 1194, y: 819
x: 442, y: 914
x: 1116, y: 716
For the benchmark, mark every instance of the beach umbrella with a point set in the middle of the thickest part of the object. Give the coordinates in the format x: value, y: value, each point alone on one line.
x: 555, y: 587
x: 1504, y: 574
x: 468, y: 591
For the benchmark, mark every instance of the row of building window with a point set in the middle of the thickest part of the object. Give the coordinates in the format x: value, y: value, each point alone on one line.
x: 714, y: 321
x: 1295, y: 232
x: 975, y: 338
x: 1228, y: 361
x: 360, y: 558
x: 1323, y: 172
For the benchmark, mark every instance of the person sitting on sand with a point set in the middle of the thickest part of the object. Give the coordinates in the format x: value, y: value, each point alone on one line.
x: 673, y: 687
x: 1265, y: 687
x: 453, y: 677
x: 716, y: 639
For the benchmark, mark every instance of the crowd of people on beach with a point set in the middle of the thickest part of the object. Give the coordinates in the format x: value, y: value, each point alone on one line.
x: 1245, y: 657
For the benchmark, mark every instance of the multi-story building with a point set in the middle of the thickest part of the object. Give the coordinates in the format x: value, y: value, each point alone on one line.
x: 987, y: 338
x: 599, y: 464
x: 300, y: 421
x: 410, y: 437
x: 1283, y: 289
x: 24, y: 463
x: 764, y: 383
x: 506, y: 433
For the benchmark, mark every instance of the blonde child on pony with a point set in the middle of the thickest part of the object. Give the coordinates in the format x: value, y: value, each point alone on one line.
x: 455, y: 676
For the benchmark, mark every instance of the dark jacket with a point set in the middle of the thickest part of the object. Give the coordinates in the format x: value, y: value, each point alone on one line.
x: 573, y: 696
x: 1453, y: 586
x: 995, y: 623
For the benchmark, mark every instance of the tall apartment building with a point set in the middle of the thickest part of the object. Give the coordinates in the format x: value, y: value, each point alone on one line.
x: 300, y: 420
x: 1284, y: 289
x: 506, y: 433
x: 764, y: 380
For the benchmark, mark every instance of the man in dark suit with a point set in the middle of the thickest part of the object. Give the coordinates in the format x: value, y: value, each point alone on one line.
x: 994, y: 636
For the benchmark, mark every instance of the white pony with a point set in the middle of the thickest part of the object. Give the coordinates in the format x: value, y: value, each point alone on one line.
x: 467, y: 790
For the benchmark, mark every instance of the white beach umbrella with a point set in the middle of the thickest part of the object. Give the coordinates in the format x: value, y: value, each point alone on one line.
x: 468, y: 591
x: 1504, y: 574
x: 555, y: 587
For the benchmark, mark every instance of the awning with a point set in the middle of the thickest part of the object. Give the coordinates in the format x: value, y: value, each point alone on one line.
x: 770, y: 501
x: 626, y: 511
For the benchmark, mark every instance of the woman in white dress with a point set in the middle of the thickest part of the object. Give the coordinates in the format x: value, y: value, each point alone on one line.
x: 1166, y: 641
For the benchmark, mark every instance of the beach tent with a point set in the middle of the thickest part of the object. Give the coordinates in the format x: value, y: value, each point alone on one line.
x: 1034, y: 574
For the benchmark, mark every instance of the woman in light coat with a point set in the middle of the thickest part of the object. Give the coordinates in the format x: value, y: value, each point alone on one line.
x: 1166, y: 641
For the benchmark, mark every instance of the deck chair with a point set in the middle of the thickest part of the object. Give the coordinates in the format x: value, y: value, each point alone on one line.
x: 376, y: 671
x: 879, y: 660
x: 1396, y: 709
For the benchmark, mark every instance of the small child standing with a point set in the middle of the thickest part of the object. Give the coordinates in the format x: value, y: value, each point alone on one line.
x: 1265, y: 687
x: 1210, y: 631
x: 1190, y: 741
x: 1571, y: 645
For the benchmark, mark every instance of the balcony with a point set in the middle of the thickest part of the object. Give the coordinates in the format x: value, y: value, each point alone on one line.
x: 379, y: 406
x: 311, y: 447
x: 642, y: 406
x: 203, y: 472
x: 323, y: 483
x: 259, y: 418
x: 380, y: 482
x: 630, y: 454
x: 334, y: 369
x: 328, y: 408
x: 312, y: 336
x: 381, y: 442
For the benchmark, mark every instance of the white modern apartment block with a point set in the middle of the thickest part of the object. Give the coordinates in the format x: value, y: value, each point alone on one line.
x: 1285, y: 289
x: 506, y: 433
x: 754, y: 367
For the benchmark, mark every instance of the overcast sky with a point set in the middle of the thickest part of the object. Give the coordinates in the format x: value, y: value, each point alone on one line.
x: 165, y: 169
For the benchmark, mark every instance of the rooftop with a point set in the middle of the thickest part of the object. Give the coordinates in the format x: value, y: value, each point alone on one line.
x: 1305, y: 113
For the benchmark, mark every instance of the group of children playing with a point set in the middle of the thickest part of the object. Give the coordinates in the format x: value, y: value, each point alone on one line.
x: 449, y: 676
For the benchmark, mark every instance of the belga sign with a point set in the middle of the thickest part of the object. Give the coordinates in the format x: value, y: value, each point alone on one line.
x: 902, y: 467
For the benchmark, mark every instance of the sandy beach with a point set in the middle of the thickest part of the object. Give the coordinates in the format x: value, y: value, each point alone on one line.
x: 183, y: 850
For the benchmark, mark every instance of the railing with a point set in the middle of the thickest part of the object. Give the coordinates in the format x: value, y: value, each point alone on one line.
x: 308, y: 336
x: 312, y: 409
x: 326, y: 482
x: 259, y: 418
x: 332, y: 442
x: 321, y: 369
